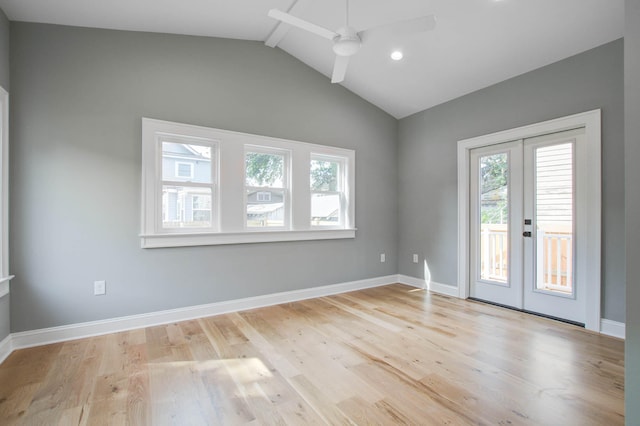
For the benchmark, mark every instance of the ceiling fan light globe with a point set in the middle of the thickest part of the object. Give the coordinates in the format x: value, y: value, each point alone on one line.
x: 346, y: 46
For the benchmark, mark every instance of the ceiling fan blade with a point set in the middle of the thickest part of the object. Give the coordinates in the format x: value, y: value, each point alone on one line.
x: 302, y: 24
x: 339, y: 68
x: 405, y: 27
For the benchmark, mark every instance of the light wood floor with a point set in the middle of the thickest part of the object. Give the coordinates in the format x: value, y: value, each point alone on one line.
x: 389, y: 355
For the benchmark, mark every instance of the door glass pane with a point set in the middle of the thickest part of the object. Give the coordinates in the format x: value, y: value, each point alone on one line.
x: 554, y: 218
x: 494, y: 217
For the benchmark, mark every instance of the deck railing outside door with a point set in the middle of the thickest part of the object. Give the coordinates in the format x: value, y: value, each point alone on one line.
x: 554, y: 250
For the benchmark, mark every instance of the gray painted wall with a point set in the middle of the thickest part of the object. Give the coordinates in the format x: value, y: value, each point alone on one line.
x: 77, y: 99
x: 4, y: 51
x: 632, y: 158
x: 4, y: 82
x: 428, y: 162
x: 5, y: 325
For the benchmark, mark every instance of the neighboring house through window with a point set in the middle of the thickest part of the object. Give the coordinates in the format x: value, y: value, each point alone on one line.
x: 188, y: 184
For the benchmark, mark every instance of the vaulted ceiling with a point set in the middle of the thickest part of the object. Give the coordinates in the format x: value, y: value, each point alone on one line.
x: 475, y: 43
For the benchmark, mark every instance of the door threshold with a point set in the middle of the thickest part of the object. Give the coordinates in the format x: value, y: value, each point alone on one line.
x: 538, y: 314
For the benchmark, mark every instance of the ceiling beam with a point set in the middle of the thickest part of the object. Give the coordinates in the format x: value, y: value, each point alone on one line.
x: 281, y: 29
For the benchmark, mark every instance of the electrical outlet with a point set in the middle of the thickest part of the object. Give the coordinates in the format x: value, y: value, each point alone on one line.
x: 415, y: 258
x: 99, y: 288
x: 383, y: 257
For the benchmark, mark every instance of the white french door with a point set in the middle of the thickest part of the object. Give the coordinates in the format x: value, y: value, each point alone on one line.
x: 496, y: 225
x: 525, y: 231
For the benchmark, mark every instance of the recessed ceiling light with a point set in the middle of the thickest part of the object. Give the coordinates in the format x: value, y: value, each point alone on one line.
x: 396, y: 55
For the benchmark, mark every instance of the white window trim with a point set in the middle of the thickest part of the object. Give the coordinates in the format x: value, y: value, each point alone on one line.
x: 184, y: 163
x: 4, y: 193
x: 591, y: 121
x: 231, y: 210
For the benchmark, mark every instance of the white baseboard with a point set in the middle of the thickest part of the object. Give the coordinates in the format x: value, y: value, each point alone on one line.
x: 5, y: 348
x: 612, y: 328
x: 44, y: 336
x: 445, y: 289
x: 435, y: 287
x: 413, y: 282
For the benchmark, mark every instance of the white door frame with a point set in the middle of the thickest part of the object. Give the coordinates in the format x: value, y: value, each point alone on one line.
x: 591, y: 121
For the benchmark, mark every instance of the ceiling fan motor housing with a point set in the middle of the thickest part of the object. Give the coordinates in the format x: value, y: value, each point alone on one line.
x: 347, y: 43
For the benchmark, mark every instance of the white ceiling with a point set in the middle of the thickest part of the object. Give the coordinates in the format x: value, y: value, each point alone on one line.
x: 476, y: 43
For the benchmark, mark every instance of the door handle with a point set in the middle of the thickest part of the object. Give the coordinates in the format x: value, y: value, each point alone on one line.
x: 526, y: 234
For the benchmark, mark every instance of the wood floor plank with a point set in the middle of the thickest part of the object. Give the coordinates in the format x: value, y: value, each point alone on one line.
x: 386, y: 355
x: 269, y: 349
x: 61, y: 382
x: 298, y: 412
x: 319, y: 401
x: 138, y: 396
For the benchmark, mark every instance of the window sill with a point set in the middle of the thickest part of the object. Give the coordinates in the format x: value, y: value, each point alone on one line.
x: 212, y: 239
x: 4, y: 285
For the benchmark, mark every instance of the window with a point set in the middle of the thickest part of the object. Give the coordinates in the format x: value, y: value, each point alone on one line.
x: 204, y: 186
x: 187, y: 187
x: 264, y: 196
x: 266, y: 186
x: 327, y: 195
x: 4, y: 193
x: 184, y: 170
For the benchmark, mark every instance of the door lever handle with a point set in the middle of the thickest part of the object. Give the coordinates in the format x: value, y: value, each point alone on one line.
x: 526, y: 234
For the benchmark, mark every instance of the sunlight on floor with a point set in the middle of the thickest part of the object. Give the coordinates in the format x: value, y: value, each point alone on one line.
x: 244, y: 370
x: 427, y: 274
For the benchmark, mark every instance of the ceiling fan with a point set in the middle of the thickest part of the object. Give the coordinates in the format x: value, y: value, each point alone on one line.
x: 347, y: 40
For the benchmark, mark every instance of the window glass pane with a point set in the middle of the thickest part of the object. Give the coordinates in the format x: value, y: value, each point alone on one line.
x: 266, y: 170
x: 325, y: 209
x: 494, y: 217
x: 186, y: 162
x: 184, y: 207
x: 324, y: 175
x: 265, y: 208
x: 554, y: 218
